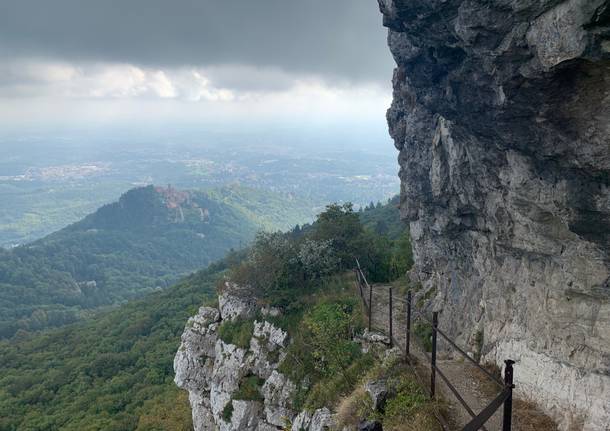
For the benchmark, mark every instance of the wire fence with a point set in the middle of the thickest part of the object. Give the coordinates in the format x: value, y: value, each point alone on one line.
x: 478, y: 421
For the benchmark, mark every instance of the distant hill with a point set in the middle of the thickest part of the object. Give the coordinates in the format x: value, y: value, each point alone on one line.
x: 146, y: 241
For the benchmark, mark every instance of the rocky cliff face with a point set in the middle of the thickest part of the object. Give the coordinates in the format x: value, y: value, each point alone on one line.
x: 213, y: 371
x: 501, y: 114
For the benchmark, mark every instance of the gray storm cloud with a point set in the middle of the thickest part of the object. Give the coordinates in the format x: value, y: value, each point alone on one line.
x: 332, y: 39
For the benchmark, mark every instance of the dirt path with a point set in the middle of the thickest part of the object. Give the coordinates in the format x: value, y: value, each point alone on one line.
x: 473, y: 385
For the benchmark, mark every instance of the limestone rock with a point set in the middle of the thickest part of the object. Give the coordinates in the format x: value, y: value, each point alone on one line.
x: 373, y: 341
x: 203, y: 420
x: 229, y: 369
x: 212, y: 370
x: 236, y: 302
x: 501, y: 114
x: 322, y: 420
x: 191, y: 365
x: 301, y: 421
x: 264, y: 426
x: 245, y: 416
x: 378, y: 391
x: 278, y: 392
x: 271, y: 311
x: 275, y: 338
x: 266, y: 348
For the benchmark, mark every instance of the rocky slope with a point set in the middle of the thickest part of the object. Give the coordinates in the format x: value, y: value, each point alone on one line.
x: 501, y: 114
x: 213, y: 371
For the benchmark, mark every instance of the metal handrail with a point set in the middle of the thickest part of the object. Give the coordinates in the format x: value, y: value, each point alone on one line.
x: 467, y: 356
x: 459, y: 397
x: 478, y: 420
x: 453, y: 344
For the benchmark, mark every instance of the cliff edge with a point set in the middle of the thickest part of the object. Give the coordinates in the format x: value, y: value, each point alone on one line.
x: 501, y: 114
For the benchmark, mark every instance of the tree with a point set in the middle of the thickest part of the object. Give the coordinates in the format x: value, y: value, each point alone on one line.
x: 318, y: 258
x: 329, y: 327
x: 340, y: 225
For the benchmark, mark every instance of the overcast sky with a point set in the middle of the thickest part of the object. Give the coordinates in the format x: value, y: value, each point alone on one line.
x: 111, y: 60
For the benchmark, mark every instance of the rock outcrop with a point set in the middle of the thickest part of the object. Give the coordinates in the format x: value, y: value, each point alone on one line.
x: 212, y: 371
x: 501, y: 114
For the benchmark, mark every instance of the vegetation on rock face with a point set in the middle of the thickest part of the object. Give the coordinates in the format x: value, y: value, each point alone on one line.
x: 146, y: 241
x: 323, y: 357
x: 249, y: 389
x: 302, y: 272
x: 238, y: 332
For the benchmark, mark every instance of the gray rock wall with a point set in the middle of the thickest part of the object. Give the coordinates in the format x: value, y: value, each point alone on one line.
x: 212, y: 371
x: 501, y: 114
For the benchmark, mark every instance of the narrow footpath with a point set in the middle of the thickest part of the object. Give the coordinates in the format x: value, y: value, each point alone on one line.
x: 472, y: 384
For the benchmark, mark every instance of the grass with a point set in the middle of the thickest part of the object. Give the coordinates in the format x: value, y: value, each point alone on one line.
x: 401, y: 286
x: 249, y: 390
x: 526, y: 416
x: 237, y: 332
x: 354, y: 407
x: 328, y: 392
x: 408, y: 408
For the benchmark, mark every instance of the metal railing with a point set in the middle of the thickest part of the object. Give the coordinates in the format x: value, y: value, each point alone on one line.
x: 504, y: 397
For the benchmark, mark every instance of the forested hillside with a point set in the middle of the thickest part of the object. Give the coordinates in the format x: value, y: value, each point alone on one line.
x: 383, y: 219
x: 146, y: 241
x: 114, y: 370
x: 111, y: 372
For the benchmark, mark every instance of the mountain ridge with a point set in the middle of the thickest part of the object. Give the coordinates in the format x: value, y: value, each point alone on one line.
x: 145, y: 241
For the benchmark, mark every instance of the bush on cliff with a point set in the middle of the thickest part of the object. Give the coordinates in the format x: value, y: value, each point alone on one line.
x: 238, y: 332
x: 280, y: 267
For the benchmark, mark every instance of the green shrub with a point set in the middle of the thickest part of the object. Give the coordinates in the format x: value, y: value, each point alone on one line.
x: 227, y: 412
x: 282, y: 268
x: 328, y: 329
x: 238, y: 332
x: 250, y: 389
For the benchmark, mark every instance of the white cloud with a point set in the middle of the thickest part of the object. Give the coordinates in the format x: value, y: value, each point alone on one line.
x: 50, y: 90
x: 162, y: 86
x: 41, y: 78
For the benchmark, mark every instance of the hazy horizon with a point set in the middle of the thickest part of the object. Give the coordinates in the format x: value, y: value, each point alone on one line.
x: 92, y: 64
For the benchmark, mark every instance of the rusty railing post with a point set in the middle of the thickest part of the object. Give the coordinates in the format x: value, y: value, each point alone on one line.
x: 508, y: 404
x: 433, y: 359
x: 370, y: 306
x: 359, y: 284
x: 390, y: 318
x: 408, y: 341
